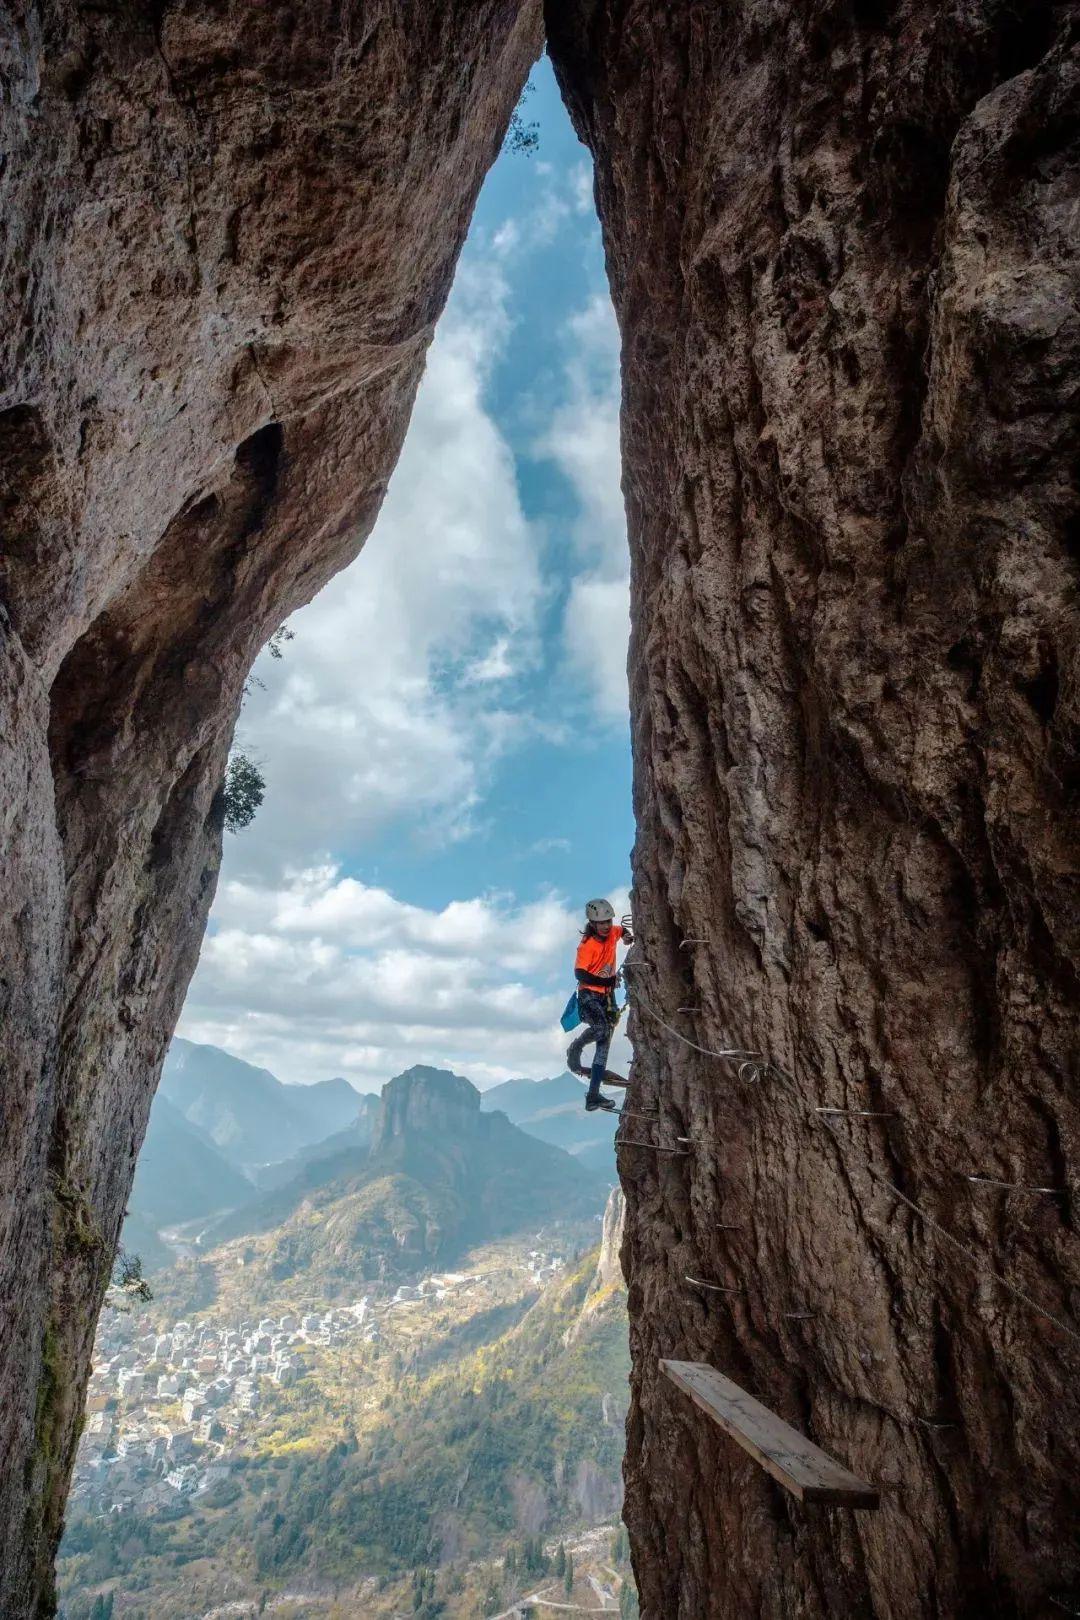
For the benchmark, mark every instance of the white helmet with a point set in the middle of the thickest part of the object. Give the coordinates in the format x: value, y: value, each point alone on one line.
x: 600, y: 911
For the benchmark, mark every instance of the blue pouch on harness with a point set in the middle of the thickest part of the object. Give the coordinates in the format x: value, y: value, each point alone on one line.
x: 571, y: 1018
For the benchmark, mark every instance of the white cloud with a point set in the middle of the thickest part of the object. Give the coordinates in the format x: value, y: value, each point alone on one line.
x: 335, y: 976
x: 582, y: 439
x: 550, y: 846
x: 546, y: 208
x: 505, y: 240
x: 379, y: 708
x: 581, y: 186
x: 597, y: 629
x: 495, y: 665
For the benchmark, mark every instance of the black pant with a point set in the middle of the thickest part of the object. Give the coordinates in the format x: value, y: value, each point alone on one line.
x: 597, y: 1009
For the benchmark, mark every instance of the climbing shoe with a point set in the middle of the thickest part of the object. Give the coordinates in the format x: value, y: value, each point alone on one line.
x: 593, y: 1103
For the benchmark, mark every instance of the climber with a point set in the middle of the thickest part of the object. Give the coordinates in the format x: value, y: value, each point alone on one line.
x: 594, y: 969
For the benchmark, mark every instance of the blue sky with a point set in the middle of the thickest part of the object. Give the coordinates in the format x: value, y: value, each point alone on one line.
x: 445, y: 741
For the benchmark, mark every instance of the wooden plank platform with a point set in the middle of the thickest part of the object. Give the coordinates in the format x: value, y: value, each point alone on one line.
x: 798, y: 1465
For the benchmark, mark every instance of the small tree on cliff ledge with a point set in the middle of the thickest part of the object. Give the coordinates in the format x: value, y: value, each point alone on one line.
x: 244, y: 790
x: 521, y: 138
x: 127, y: 1285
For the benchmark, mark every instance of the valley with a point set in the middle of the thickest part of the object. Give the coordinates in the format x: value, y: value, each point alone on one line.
x: 377, y: 1396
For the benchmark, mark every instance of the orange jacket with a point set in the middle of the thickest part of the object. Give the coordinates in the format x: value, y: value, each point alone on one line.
x: 596, y: 960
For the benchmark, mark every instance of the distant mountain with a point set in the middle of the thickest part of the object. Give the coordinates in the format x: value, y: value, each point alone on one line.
x: 248, y: 1114
x: 439, y: 1176
x: 140, y: 1240
x: 353, y: 1138
x: 600, y: 1157
x: 554, y: 1111
x: 180, y: 1176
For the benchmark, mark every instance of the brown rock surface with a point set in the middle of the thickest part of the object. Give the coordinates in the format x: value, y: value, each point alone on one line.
x: 842, y: 243
x: 227, y: 230
x: 843, y: 249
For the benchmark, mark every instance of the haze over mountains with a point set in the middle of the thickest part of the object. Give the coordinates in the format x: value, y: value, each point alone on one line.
x: 430, y: 1165
x: 214, y: 1124
x: 554, y: 1111
x: 439, y: 1175
x: 250, y: 1115
x: 180, y: 1177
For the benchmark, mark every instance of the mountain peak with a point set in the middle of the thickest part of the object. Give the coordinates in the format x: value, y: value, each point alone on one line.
x: 425, y: 1101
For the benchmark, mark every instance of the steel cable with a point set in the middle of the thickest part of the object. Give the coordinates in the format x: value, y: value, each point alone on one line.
x: 763, y: 1065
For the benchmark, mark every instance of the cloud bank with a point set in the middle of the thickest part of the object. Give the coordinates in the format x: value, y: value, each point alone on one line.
x: 327, y: 975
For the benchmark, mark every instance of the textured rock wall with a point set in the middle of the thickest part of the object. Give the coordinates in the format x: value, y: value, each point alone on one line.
x: 842, y: 242
x: 226, y: 231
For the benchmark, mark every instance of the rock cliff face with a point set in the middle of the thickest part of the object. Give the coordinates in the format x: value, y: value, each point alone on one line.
x: 841, y: 238
x: 426, y: 1102
x: 609, y: 1272
x: 842, y: 246
x: 226, y: 233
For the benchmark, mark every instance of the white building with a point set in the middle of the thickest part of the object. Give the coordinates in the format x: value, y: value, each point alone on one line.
x: 132, y: 1445
x: 194, y: 1405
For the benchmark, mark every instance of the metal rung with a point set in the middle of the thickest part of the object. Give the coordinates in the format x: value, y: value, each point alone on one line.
x: 1014, y: 1186
x: 863, y: 1113
x: 717, y: 1288
x: 624, y: 1141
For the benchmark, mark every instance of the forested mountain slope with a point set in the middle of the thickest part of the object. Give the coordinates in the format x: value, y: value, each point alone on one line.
x: 438, y: 1176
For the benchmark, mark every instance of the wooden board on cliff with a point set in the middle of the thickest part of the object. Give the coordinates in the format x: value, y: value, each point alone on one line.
x: 799, y: 1465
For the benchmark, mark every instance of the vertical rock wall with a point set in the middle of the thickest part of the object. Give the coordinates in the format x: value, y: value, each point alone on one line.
x: 842, y: 241
x: 226, y: 231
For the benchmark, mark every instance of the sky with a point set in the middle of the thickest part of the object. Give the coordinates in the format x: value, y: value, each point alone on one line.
x: 445, y: 739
